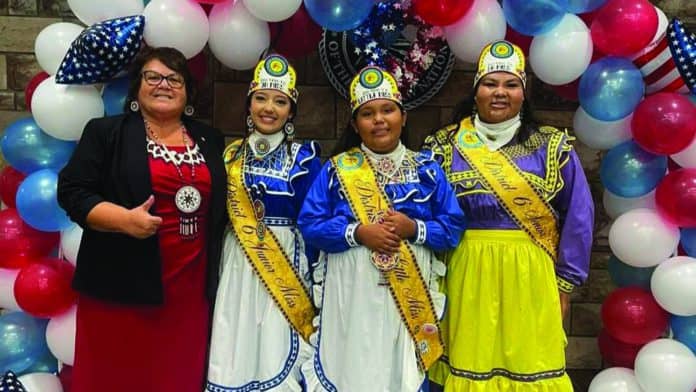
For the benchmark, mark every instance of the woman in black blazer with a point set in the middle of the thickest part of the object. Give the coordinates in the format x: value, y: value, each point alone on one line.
x: 148, y: 188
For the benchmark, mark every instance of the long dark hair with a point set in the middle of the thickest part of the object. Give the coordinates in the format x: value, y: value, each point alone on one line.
x: 350, y: 138
x: 465, y: 108
x: 170, y: 57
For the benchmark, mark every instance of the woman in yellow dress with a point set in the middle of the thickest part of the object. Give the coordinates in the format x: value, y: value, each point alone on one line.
x: 528, y: 243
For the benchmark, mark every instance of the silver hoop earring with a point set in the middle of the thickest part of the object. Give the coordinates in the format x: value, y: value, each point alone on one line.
x: 134, y: 106
x: 189, y: 110
x: 250, y: 124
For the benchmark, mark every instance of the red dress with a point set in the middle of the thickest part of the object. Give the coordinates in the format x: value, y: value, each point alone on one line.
x: 122, y: 348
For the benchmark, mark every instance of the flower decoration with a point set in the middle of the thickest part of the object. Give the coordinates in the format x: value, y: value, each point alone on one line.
x: 394, y: 38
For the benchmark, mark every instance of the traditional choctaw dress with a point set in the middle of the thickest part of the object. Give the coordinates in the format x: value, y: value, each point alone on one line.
x: 363, y: 342
x: 253, y: 347
x: 503, y: 327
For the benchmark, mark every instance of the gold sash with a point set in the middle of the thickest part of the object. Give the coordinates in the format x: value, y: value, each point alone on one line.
x: 519, y: 198
x: 406, y: 284
x: 267, y: 258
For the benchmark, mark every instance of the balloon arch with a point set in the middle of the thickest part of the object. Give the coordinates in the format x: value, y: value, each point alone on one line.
x: 631, y: 69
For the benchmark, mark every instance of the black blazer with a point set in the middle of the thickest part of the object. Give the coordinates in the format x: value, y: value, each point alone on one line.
x: 111, y: 164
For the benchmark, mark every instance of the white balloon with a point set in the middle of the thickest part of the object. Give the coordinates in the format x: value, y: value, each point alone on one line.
x: 53, y: 43
x: 41, y: 382
x: 180, y: 24
x: 237, y: 38
x: 642, y: 239
x: 666, y: 365
x: 60, y: 336
x: 70, y: 239
x: 687, y: 156
x: 562, y: 54
x: 94, y: 11
x: 674, y: 285
x: 272, y: 10
x: 616, y: 205
x: 615, y: 379
x: 481, y: 25
x: 598, y: 134
x: 62, y: 111
x: 7, y: 281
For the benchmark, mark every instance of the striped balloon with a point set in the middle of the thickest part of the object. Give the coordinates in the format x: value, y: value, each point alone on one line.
x: 655, y: 62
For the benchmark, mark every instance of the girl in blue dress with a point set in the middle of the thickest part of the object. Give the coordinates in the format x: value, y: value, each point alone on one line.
x: 378, y: 212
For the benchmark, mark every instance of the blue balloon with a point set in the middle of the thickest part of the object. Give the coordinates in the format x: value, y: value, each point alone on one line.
x: 534, y: 17
x: 629, y: 171
x: 688, y: 241
x: 27, y: 148
x: 114, y: 96
x: 22, y: 338
x: 582, y: 6
x: 339, y: 15
x: 611, y: 88
x: 44, y: 362
x: 684, y: 330
x: 37, y: 202
x: 624, y: 275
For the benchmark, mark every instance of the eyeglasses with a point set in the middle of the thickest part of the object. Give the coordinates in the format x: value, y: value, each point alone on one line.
x: 154, y: 78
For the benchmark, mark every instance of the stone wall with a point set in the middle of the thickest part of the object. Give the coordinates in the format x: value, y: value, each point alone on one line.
x: 323, y: 114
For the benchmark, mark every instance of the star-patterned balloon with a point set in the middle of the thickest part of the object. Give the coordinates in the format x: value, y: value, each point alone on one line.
x: 682, y: 44
x: 101, y: 51
x: 9, y: 383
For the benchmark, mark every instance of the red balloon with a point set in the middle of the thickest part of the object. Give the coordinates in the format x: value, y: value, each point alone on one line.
x: 631, y: 315
x: 21, y: 243
x: 623, y: 27
x: 441, y: 12
x: 31, y: 86
x: 198, y: 66
x: 296, y: 36
x: 42, y: 288
x: 9, y: 182
x: 675, y: 197
x: 519, y: 39
x: 616, y: 352
x: 664, y: 123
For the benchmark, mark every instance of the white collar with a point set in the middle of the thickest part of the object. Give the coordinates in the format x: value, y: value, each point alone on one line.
x: 395, y: 156
x: 273, y: 140
x: 499, y: 134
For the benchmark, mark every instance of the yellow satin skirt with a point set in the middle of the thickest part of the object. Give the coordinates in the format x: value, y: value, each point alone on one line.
x: 503, y: 328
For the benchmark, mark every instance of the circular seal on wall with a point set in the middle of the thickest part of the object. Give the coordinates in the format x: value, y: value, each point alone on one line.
x: 342, y: 59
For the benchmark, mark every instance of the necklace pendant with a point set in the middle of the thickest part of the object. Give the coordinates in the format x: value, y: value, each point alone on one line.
x: 262, y: 147
x: 188, y: 200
